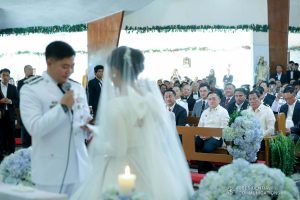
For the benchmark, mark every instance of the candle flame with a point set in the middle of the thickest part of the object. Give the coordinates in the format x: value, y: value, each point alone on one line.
x: 127, y: 170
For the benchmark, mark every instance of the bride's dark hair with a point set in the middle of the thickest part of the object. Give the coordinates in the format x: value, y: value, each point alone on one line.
x: 128, y: 61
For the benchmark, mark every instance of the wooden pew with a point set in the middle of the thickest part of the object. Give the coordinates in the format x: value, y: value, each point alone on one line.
x: 279, y: 127
x: 221, y: 155
x: 280, y: 123
x: 188, y: 141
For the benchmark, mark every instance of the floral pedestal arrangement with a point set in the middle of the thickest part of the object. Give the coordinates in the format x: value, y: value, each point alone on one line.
x: 242, y: 180
x: 244, y: 136
x: 16, y: 168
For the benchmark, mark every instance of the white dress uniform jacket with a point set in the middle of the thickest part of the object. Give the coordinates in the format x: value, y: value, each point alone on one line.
x: 52, y: 135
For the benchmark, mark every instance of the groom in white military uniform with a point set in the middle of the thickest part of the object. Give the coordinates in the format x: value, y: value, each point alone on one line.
x: 54, y: 109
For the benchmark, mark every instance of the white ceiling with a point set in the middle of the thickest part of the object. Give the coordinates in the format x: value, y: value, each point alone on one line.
x: 26, y: 13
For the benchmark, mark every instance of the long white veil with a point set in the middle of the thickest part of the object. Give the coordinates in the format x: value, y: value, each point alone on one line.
x: 133, y: 128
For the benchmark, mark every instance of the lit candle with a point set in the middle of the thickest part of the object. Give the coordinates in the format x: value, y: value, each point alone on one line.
x: 126, y: 181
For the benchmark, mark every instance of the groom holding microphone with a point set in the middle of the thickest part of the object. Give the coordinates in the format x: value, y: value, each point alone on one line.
x: 54, y: 109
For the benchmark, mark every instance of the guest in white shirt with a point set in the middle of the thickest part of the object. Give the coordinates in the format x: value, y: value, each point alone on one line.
x: 263, y: 113
x: 215, y: 117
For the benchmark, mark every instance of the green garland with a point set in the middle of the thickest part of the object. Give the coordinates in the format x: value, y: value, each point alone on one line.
x: 144, y: 29
x: 44, y: 29
x: 195, y: 28
x: 283, y: 154
x: 35, y: 53
x: 203, y: 28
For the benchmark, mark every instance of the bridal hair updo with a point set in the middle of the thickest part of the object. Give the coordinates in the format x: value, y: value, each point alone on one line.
x: 128, y: 61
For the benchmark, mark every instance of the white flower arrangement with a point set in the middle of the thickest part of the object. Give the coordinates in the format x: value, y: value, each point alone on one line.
x: 245, y: 135
x: 16, y: 168
x: 114, y: 194
x: 242, y: 180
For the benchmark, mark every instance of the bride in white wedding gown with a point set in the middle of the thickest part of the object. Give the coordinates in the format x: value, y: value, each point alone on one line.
x: 133, y: 128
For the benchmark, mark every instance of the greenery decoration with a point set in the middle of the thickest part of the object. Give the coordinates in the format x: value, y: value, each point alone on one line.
x: 186, y: 49
x: 34, y: 53
x: 44, y: 29
x: 283, y: 153
x: 203, y: 28
x: 233, y: 116
x: 194, y: 28
x: 144, y: 29
x: 294, y: 48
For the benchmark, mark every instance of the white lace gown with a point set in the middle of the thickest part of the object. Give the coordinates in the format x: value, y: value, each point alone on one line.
x: 135, y: 133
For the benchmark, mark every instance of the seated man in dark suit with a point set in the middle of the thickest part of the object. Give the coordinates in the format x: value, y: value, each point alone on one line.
x: 291, y: 73
x: 229, y: 95
x: 172, y: 106
x: 279, y: 75
x: 187, y: 97
x: 241, y: 103
x: 291, y: 109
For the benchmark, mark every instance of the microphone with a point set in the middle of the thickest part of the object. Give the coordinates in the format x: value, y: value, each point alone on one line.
x: 66, y: 86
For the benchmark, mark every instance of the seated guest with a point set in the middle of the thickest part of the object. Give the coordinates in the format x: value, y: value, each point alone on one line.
x: 195, y: 90
x: 179, y: 101
x: 274, y: 102
x: 241, y: 103
x: 291, y: 109
x: 168, y: 84
x: 213, y: 88
x: 172, y: 106
x: 272, y: 88
x: 201, y: 104
x: 279, y: 75
x: 292, y: 73
x: 162, y: 88
x: 262, y: 112
x: 296, y: 84
x: 295, y: 132
x: 215, y: 117
x: 229, y: 95
x: 266, y: 97
x: 187, y: 97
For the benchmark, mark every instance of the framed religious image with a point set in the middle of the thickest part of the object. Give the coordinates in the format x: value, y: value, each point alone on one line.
x: 187, y: 63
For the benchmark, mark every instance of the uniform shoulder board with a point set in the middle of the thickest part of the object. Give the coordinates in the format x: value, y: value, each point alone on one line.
x: 33, y: 80
x: 73, y: 81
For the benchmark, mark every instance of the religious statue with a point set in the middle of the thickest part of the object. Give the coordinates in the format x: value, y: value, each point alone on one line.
x: 262, y: 70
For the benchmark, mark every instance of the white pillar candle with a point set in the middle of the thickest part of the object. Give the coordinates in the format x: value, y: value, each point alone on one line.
x: 126, y: 181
